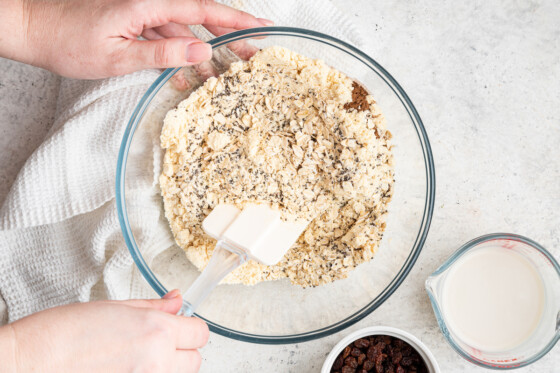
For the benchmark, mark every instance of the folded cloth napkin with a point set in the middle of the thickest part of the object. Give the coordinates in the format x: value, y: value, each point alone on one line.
x: 60, y: 239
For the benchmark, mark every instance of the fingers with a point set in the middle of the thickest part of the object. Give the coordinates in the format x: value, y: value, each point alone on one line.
x: 187, y: 361
x: 217, y: 14
x: 241, y: 48
x: 218, y: 30
x: 170, y: 52
x: 191, y: 332
x: 206, y: 70
x: 266, y: 22
x: 180, y: 82
x: 151, y: 34
x: 196, y: 12
x: 173, y: 29
x: 175, y: 293
x: 170, y: 303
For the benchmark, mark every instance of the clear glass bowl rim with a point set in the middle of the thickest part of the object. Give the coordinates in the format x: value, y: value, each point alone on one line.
x: 428, y: 162
x: 439, y: 315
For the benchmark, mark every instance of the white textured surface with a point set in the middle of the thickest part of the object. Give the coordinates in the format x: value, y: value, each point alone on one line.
x: 486, y: 82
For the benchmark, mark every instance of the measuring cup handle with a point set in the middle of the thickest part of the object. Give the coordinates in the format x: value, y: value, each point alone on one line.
x: 225, y: 259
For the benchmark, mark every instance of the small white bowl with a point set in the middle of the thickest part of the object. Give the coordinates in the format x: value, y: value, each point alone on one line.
x: 426, y: 355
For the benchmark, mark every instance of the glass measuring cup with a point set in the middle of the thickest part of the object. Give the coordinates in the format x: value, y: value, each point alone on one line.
x: 547, y: 332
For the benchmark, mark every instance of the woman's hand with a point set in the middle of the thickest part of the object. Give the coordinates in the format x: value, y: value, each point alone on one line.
x: 106, y: 336
x: 98, y: 38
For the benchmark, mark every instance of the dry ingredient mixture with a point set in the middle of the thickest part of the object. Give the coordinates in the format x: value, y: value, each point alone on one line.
x: 291, y: 132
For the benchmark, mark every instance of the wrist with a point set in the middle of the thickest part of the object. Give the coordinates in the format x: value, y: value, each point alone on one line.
x: 8, y: 359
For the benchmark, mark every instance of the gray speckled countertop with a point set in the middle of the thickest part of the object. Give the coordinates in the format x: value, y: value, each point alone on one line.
x: 485, y: 78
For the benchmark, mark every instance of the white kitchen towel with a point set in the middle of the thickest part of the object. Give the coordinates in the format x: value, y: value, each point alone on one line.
x: 60, y: 240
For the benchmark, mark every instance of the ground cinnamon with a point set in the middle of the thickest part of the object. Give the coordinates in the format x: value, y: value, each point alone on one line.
x: 359, y: 101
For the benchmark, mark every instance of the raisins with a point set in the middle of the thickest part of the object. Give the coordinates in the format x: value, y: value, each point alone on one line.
x: 351, y: 362
x: 346, y: 352
x: 362, y: 343
x: 379, y: 353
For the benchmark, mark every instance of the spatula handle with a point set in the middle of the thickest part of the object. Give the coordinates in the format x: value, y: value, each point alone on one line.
x: 225, y: 259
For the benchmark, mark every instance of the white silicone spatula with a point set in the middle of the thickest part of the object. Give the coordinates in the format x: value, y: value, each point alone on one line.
x: 256, y: 232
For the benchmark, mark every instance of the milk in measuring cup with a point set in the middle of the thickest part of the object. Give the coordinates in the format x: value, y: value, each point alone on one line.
x: 493, y: 299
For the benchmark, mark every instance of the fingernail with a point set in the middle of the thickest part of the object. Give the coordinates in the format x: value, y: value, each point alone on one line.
x: 265, y: 22
x: 198, y: 52
x: 172, y: 294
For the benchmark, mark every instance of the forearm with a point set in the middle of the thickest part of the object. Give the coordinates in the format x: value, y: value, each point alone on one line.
x: 7, y: 349
x: 25, y: 27
x: 13, y: 30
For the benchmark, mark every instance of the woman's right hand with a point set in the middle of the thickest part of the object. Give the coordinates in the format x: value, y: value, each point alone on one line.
x: 105, y: 336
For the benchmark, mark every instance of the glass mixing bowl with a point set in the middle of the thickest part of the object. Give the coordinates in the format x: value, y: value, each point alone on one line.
x: 277, y: 312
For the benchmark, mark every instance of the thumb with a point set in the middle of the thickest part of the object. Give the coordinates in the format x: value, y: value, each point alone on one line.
x: 170, y: 303
x: 171, y: 52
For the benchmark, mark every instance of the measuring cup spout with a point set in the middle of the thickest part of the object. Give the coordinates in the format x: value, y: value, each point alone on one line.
x: 430, y: 285
x: 433, y: 285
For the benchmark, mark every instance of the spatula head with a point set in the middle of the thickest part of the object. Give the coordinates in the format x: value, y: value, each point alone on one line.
x: 257, y: 230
